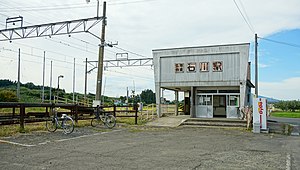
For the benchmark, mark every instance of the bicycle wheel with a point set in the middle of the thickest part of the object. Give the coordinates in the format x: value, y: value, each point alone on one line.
x: 96, y: 122
x: 51, y: 124
x: 110, y: 121
x: 68, y: 125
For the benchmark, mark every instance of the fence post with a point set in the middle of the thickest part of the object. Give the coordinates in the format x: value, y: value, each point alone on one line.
x: 14, y: 111
x: 136, y: 113
x: 115, y: 108
x: 76, y: 113
x: 22, y: 115
x: 153, y: 111
x: 47, y: 112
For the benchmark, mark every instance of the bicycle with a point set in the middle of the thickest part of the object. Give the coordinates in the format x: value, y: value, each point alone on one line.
x: 107, y: 119
x: 67, y: 123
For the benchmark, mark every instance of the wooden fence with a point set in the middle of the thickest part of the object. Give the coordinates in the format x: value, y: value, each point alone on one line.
x: 15, y: 113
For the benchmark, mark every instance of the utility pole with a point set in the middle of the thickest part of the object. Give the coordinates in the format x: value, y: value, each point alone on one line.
x: 85, y: 81
x: 18, y: 85
x: 43, y: 93
x: 74, y: 82
x: 50, y: 99
x: 256, y: 67
x: 101, y: 56
x: 127, y: 94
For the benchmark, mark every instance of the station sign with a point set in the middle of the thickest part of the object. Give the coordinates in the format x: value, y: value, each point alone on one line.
x: 260, y: 112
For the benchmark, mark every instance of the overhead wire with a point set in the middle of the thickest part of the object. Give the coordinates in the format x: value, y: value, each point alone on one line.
x: 246, y: 21
x: 34, y: 62
x: 129, y: 75
x: 114, y: 52
x: 280, y: 42
x: 24, y: 9
x: 246, y: 15
x: 67, y: 44
x: 130, y: 52
x: 66, y: 6
x: 38, y: 56
x: 48, y: 51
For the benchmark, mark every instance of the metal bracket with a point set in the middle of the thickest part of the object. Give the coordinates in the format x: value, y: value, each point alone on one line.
x: 56, y: 28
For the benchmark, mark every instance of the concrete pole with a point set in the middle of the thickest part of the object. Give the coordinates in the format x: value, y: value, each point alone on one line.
x: 18, y: 85
x: 43, y: 91
x: 50, y: 98
x: 101, y: 56
x: 74, y: 82
x: 176, y: 103
x: 85, y: 81
x: 256, y: 67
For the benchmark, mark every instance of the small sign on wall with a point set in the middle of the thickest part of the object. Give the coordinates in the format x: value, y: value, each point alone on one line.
x: 260, y: 112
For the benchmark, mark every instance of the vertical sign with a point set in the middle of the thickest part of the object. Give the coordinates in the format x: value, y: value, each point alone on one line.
x: 260, y: 112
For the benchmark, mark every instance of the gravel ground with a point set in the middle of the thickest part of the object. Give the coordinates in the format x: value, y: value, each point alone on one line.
x: 150, y: 148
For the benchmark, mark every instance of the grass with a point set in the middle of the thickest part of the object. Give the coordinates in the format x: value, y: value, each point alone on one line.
x: 9, y: 130
x: 286, y: 114
x: 130, y: 121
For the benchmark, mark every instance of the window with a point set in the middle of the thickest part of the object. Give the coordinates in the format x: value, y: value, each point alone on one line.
x: 204, y: 66
x: 217, y: 66
x: 179, y: 67
x: 191, y: 67
x: 205, y: 100
x: 233, y: 101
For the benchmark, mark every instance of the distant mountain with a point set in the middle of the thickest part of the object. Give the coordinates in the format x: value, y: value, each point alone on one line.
x: 270, y: 100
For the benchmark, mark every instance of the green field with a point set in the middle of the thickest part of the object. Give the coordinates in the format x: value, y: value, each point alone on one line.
x: 286, y: 114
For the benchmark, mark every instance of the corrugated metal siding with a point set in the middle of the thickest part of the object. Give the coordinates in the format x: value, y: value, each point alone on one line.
x: 231, y: 68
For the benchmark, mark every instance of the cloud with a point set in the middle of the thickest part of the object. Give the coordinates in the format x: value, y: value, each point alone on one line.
x: 287, y: 89
x: 141, y: 27
x: 261, y: 65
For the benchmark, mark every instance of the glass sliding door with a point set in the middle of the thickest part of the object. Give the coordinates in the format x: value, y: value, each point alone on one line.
x: 204, y: 106
x: 233, y: 106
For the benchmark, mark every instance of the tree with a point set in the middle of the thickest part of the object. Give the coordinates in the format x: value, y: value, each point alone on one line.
x: 8, y: 96
x: 288, y: 105
x: 6, y: 83
x: 148, y: 96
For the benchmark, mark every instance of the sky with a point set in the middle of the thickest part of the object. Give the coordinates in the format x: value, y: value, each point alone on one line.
x: 139, y: 26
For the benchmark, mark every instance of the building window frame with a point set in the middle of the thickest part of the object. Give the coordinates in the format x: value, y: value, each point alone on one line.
x: 191, y: 67
x: 204, y: 66
x: 217, y: 66
x: 179, y: 67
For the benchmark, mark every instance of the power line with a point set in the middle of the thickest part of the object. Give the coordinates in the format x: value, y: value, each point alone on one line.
x: 64, y: 7
x: 131, y: 75
x: 280, y: 42
x: 48, y: 6
x: 35, y: 62
x: 38, y: 56
x: 113, y: 46
x: 85, y: 50
x: 247, y: 17
x: 66, y: 44
x: 65, y: 55
x: 45, y: 8
x: 131, y: 52
x: 130, y: 2
x: 247, y: 22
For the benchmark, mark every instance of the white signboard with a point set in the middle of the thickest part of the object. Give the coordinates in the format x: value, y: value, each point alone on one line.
x: 96, y: 103
x: 260, y: 112
x: 207, y: 99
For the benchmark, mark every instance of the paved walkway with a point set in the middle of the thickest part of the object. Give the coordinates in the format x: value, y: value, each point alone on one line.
x: 137, y: 147
x: 170, y: 121
x: 293, y: 121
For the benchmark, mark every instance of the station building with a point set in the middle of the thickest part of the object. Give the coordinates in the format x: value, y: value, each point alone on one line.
x: 215, y: 79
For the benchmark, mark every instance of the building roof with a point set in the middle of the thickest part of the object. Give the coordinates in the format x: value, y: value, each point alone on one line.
x: 201, y: 46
